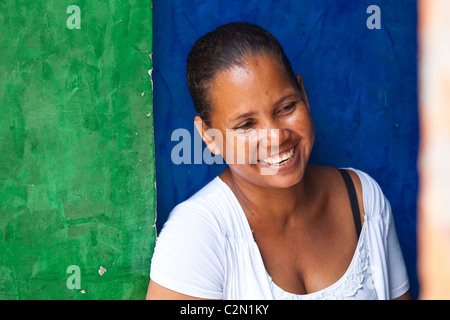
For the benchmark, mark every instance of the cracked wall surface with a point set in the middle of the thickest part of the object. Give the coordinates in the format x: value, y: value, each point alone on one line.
x: 77, y: 174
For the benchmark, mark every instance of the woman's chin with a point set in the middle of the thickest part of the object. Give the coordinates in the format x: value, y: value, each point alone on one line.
x: 285, y: 174
x: 274, y: 175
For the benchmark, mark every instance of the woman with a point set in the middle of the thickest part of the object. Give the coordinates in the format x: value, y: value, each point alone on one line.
x: 271, y: 226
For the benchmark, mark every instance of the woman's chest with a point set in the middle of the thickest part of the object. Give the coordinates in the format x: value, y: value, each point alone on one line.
x: 309, y: 258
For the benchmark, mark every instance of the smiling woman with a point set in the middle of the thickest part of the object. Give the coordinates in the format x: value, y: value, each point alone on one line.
x: 263, y: 99
x: 271, y: 225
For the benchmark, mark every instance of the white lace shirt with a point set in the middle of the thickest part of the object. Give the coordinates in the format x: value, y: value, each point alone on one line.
x: 206, y: 249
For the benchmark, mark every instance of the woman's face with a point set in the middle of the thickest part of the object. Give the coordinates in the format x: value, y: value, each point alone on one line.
x: 265, y: 123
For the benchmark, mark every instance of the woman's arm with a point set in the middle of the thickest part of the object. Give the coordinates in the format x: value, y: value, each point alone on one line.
x: 157, y: 292
x: 405, y: 296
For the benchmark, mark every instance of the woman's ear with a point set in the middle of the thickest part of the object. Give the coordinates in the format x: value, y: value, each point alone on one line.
x: 302, y: 91
x: 207, y: 135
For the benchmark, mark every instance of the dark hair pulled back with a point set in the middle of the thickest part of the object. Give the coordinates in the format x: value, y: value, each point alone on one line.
x: 228, y: 46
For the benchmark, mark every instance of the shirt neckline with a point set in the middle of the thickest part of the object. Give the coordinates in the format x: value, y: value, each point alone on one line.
x: 250, y: 236
x: 347, y: 272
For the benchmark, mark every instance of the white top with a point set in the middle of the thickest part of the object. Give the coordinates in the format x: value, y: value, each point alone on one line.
x: 206, y: 249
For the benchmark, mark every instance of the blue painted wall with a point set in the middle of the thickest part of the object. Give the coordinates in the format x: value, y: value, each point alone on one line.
x: 361, y: 85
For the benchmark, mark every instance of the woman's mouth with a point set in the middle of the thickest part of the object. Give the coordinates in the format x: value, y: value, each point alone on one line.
x: 280, y: 159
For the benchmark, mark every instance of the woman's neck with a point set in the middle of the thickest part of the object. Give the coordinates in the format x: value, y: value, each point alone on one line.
x: 271, y: 208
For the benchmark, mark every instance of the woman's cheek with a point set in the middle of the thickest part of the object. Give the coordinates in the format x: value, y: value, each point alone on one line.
x: 303, y: 122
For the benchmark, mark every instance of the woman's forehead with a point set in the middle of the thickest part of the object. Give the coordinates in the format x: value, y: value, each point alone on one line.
x: 258, y: 71
x: 261, y: 78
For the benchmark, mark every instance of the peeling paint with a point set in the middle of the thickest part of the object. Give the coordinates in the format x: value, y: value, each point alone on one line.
x: 101, y: 271
x: 151, y: 70
x: 68, y: 104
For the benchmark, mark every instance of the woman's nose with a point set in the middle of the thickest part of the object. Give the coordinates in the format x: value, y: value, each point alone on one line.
x: 272, y: 135
x: 269, y: 137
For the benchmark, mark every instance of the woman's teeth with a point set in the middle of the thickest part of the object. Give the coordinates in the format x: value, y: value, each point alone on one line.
x: 280, y: 159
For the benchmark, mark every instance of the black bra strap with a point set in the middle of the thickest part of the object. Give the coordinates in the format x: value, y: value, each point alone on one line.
x: 353, y: 200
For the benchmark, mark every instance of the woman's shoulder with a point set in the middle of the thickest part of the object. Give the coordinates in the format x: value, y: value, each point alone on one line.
x: 328, y: 172
x: 203, y: 202
x: 209, y: 198
x: 371, y: 199
x: 193, y: 220
x: 213, y: 207
x: 375, y: 203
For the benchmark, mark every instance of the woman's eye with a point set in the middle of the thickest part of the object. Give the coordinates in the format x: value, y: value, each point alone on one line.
x: 244, y: 126
x: 287, y: 108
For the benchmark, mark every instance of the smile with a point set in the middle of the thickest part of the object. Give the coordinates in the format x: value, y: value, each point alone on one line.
x: 279, y: 159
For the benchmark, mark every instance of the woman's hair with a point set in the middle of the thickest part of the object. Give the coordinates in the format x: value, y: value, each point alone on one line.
x: 228, y: 46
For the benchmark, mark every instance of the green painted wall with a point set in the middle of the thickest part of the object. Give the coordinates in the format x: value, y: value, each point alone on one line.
x: 77, y: 174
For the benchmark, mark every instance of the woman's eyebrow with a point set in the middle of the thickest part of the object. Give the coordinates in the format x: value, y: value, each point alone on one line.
x: 286, y: 97
x: 244, y: 115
